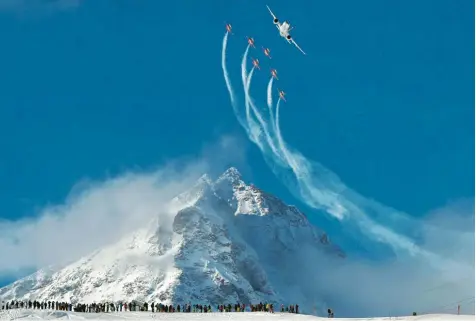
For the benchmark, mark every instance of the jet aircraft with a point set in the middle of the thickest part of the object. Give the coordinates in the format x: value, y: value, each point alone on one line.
x: 284, y: 28
x: 266, y: 52
x: 281, y: 94
x: 255, y: 63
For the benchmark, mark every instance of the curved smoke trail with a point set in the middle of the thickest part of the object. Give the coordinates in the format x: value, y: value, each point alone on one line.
x: 333, y: 200
x: 269, y: 100
x: 255, y: 128
x: 247, y: 97
x: 246, y: 79
x: 231, y: 92
x: 225, y: 72
x: 269, y: 93
x: 318, y: 187
x: 321, y: 189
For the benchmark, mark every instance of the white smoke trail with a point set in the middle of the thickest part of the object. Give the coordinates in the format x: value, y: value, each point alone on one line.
x: 247, y: 97
x: 246, y: 79
x: 243, y: 66
x: 323, y: 198
x: 282, y: 146
x: 325, y: 191
x: 231, y: 92
x: 254, y: 131
x: 225, y: 72
x: 320, y: 188
x: 269, y: 93
x: 255, y: 128
x: 278, y: 131
x: 343, y: 203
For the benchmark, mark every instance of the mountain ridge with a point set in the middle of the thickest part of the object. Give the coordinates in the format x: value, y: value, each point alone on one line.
x: 220, y: 241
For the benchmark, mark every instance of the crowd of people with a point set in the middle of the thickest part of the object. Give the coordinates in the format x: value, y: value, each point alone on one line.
x: 153, y: 307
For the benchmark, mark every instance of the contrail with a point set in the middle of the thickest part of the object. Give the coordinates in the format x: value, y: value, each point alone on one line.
x: 318, y: 197
x: 269, y: 93
x: 337, y: 200
x: 243, y: 65
x: 225, y: 71
x: 246, y: 79
x: 320, y: 188
x: 247, y: 97
x: 231, y: 92
x: 255, y: 128
x: 278, y: 130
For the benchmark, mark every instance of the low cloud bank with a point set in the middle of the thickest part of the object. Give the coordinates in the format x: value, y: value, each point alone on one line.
x: 400, y: 287
x: 98, y: 213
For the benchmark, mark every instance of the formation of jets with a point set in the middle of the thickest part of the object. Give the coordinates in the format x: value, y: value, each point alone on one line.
x: 284, y: 29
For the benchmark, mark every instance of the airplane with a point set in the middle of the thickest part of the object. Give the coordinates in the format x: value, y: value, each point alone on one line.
x: 251, y: 42
x: 281, y: 94
x: 266, y: 52
x: 284, y: 28
x: 228, y: 28
x: 256, y: 63
x: 274, y: 73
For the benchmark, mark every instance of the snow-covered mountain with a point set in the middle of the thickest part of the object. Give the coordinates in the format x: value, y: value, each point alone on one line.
x: 220, y: 242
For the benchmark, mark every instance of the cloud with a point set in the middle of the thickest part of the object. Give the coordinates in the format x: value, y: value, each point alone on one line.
x: 98, y: 213
x: 361, y: 288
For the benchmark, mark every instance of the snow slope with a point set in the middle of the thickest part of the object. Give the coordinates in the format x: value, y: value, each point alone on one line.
x: 234, y: 316
x: 219, y: 242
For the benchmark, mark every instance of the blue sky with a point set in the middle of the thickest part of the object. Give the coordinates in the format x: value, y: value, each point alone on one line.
x: 384, y: 97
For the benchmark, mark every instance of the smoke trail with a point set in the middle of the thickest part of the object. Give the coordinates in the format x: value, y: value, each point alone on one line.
x: 270, y: 93
x: 278, y: 130
x: 321, y: 189
x: 321, y: 197
x: 243, y: 66
x: 252, y: 129
x: 363, y: 220
x: 225, y: 72
x: 324, y: 195
x: 270, y: 102
x: 317, y: 187
x: 246, y: 79
x: 247, y: 97
x: 255, y: 128
x: 231, y: 92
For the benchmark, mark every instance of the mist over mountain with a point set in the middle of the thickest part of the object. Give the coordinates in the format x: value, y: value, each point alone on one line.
x: 220, y: 241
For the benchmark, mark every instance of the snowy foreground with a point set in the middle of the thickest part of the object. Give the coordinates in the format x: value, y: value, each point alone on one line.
x: 17, y: 314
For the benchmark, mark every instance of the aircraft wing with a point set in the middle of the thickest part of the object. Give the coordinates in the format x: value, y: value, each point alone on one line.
x: 294, y: 43
x: 274, y: 17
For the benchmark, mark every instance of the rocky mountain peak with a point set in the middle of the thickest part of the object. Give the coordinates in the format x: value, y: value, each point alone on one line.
x: 226, y: 242
x: 231, y: 174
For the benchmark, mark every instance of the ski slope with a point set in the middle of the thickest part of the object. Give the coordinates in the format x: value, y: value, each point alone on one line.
x: 17, y: 314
